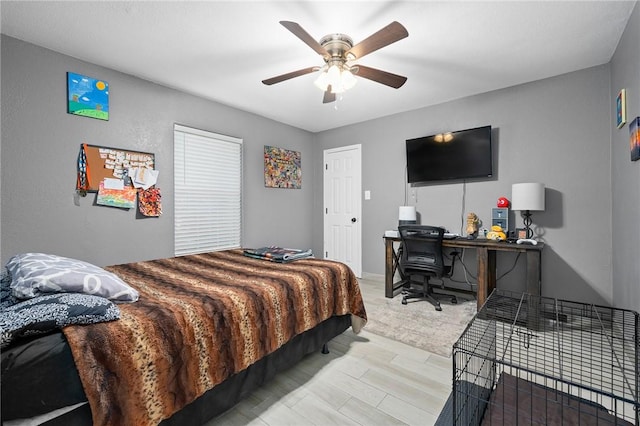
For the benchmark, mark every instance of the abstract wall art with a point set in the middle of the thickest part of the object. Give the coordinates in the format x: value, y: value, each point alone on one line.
x: 634, y: 139
x: 282, y: 168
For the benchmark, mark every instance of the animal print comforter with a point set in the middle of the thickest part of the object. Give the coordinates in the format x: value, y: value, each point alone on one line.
x: 199, y: 320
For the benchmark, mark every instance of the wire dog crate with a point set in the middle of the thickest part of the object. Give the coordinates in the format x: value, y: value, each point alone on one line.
x: 528, y: 360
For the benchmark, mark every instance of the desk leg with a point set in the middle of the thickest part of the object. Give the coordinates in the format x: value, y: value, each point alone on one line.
x: 533, y: 272
x: 533, y: 288
x: 486, y: 274
x: 388, y: 268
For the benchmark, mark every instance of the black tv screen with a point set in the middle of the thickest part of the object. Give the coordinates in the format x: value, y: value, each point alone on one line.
x: 463, y: 154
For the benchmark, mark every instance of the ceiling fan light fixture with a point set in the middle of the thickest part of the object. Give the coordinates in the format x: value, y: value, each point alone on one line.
x: 322, y: 82
x: 348, y: 80
x: 337, y: 77
x: 333, y: 76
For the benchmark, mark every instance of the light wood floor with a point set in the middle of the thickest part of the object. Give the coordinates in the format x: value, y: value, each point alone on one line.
x: 366, y: 379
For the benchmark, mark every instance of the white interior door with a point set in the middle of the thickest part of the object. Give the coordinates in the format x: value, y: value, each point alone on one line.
x: 343, y: 206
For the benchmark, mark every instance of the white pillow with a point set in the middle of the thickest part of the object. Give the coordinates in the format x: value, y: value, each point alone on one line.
x: 36, y: 273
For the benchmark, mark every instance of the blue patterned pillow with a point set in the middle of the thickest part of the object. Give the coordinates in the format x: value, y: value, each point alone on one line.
x: 33, y: 274
x: 43, y: 314
x: 6, y: 298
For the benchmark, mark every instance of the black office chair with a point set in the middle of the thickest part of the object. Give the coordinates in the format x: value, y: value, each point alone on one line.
x: 421, y: 256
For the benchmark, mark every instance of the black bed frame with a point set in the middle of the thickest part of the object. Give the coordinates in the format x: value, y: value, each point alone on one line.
x: 213, y: 403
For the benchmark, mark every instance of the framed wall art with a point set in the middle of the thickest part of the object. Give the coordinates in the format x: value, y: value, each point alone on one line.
x: 87, y: 96
x: 282, y: 168
x: 521, y: 233
x: 634, y: 139
x: 621, y: 108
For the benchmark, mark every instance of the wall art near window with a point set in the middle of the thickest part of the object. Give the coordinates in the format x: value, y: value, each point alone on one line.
x: 621, y: 108
x: 123, y: 197
x: 282, y: 168
x: 87, y: 96
x: 634, y: 139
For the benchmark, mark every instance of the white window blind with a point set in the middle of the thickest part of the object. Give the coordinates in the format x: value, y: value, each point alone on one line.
x: 208, y: 191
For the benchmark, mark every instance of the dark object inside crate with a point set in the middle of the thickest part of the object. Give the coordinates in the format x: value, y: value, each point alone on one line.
x: 525, y: 359
x: 518, y: 401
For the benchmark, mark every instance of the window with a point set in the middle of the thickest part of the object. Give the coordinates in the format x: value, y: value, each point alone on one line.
x: 208, y: 191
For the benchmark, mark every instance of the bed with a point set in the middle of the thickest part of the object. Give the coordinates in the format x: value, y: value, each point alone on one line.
x: 206, y: 330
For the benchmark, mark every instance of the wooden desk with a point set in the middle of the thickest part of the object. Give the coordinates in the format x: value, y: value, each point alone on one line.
x: 486, y: 253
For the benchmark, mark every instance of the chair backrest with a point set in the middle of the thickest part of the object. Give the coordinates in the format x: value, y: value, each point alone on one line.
x: 422, y: 249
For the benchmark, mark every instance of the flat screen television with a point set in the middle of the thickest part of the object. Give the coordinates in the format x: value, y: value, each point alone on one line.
x: 463, y: 154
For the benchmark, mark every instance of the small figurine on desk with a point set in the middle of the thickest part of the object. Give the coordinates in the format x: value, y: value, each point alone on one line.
x: 472, y: 225
x: 496, y: 233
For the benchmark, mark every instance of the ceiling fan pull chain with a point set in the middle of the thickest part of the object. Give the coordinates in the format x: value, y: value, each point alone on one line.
x: 339, y: 99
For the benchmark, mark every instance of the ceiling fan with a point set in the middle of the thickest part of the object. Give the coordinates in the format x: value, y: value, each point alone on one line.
x: 337, y: 51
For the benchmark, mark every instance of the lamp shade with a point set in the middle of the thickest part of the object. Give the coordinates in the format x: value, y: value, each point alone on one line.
x: 407, y: 214
x: 527, y: 196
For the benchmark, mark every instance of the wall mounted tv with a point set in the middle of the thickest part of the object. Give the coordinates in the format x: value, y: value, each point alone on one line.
x: 463, y: 154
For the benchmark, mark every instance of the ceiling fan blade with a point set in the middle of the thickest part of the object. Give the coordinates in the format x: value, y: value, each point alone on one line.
x: 299, y: 32
x: 287, y: 76
x: 328, y: 96
x: 383, y: 77
x: 384, y: 37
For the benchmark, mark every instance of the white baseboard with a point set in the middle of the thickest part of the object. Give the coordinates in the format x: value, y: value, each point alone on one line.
x: 372, y: 277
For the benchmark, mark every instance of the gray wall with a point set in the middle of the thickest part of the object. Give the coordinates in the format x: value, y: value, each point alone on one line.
x: 558, y: 131
x: 625, y: 174
x: 40, y: 144
x: 555, y: 131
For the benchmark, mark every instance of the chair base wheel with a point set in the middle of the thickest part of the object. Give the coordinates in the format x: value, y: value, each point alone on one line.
x: 413, y: 293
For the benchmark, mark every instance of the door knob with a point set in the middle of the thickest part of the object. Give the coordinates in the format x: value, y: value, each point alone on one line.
x: 353, y: 219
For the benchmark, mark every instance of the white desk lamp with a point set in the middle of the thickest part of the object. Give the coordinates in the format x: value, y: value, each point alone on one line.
x: 527, y: 197
x: 407, y: 215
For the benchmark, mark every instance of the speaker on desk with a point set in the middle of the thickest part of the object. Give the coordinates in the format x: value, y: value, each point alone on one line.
x: 407, y: 215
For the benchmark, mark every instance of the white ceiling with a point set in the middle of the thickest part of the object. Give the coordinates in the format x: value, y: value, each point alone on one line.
x: 222, y: 50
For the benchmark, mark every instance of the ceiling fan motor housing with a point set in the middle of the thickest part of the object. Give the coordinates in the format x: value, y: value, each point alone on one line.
x: 336, y: 45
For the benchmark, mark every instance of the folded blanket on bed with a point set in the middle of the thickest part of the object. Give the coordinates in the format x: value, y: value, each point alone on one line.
x: 200, y: 319
x: 278, y: 254
x: 43, y: 314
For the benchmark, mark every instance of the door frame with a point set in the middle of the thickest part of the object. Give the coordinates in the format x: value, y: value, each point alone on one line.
x: 357, y: 189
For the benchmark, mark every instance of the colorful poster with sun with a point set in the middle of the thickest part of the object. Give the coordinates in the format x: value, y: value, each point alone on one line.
x: 87, y: 96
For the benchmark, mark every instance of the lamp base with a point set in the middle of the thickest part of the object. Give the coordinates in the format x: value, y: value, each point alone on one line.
x: 407, y: 222
x: 527, y: 223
